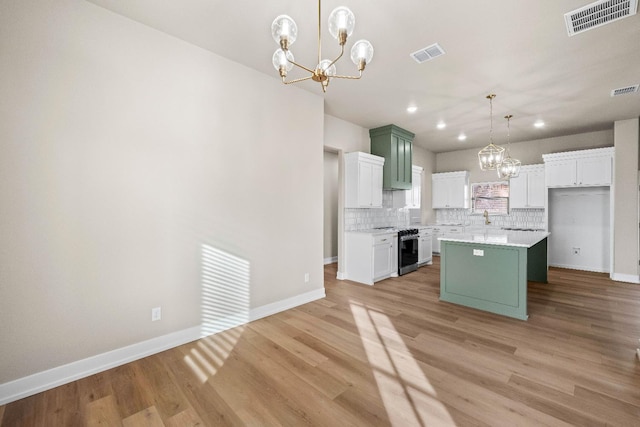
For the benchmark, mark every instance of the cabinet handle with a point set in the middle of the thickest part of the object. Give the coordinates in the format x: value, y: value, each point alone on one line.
x: 383, y: 240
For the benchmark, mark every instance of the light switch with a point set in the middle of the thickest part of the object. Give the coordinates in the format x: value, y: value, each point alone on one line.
x: 478, y: 252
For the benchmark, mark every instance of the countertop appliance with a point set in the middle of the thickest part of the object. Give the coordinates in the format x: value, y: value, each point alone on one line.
x: 407, y: 250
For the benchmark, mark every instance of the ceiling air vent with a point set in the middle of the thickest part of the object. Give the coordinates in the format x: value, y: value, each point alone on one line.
x: 599, y: 13
x: 428, y: 53
x: 624, y: 90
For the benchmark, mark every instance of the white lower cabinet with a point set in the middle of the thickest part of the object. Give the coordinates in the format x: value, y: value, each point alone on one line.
x: 371, y: 257
x: 441, y: 230
x: 425, y: 251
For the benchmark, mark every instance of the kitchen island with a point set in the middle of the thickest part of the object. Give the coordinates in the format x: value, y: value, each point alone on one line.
x: 489, y: 270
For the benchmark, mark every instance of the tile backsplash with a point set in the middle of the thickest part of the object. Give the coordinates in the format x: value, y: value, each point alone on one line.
x: 387, y: 216
x: 517, y: 218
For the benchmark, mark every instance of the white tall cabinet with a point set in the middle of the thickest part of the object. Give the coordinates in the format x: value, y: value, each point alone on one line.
x: 580, y: 208
x: 363, y: 180
x: 450, y: 190
x: 527, y: 190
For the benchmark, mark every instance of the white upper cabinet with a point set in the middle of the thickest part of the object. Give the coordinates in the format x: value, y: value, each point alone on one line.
x: 410, y: 198
x: 527, y: 190
x: 363, y: 180
x: 579, y: 168
x: 450, y: 190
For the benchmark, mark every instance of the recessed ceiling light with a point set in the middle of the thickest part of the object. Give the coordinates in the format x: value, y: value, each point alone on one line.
x: 539, y: 124
x: 462, y: 137
x: 412, y: 109
x: 441, y: 125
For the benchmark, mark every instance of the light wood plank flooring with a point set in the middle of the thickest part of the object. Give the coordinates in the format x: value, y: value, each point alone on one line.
x: 390, y: 354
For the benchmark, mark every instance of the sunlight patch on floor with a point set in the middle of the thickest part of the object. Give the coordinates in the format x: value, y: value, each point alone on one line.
x: 408, y: 396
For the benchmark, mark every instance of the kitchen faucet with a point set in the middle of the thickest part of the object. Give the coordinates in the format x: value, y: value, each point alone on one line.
x: 486, y: 218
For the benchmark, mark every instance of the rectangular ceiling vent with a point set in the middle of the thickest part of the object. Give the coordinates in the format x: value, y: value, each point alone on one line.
x: 624, y: 90
x: 428, y: 53
x: 598, y: 13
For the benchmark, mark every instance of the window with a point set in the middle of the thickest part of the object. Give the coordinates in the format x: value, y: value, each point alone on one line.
x: 492, y: 197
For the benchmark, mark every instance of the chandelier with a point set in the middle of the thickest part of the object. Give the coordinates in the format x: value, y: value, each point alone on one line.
x: 341, y: 23
x: 491, y: 155
x: 509, y: 167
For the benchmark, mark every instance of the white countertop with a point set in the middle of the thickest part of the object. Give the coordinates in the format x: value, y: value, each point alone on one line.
x: 499, y: 237
x: 376, y: 231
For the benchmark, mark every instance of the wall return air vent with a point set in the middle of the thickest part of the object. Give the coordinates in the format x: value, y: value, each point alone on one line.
x: 624, y: 90
x: 428, y: 53
x: 598, y: 13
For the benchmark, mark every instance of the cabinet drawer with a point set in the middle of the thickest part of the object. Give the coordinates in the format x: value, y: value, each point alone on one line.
x: 383, y: 238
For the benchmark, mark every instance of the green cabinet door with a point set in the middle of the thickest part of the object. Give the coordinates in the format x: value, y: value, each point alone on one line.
x: 395, y: 145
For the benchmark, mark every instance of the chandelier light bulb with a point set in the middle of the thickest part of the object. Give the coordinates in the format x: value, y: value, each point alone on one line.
x: 341, y: 20
x: 362, y: 53
x: 282, y: 61
x: 284, y: 31
x: 327, y: 68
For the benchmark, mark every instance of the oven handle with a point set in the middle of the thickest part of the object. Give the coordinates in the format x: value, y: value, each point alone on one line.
x: 410, y: 237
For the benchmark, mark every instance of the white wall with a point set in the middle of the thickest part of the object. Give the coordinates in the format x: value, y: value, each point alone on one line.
x: 127, y: 158
x: 331, y: 172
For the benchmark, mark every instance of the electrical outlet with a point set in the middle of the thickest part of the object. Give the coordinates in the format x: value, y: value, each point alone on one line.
x: 306, y: 277
x: 576, y: 251
x: 156, y: 314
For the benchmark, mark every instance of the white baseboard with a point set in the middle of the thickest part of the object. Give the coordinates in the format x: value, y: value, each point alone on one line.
x: 341, y: 276
x: 579, y: 267
x: 330, y: 260
x: 629, y: 278
x: 45, y: 380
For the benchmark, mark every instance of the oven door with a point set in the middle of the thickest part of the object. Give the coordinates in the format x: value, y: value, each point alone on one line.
x: 407, y: 254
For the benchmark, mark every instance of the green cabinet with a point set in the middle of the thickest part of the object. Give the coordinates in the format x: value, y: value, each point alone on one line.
x: 395, y: 145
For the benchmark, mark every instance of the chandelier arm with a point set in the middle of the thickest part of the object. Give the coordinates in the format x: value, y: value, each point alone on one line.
x: 296, y: 80
x: 348, y: 77
x: 339, y: 56
x: 300, y: 66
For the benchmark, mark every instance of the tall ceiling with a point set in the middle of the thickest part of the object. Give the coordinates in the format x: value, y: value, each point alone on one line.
x: 517, y: 49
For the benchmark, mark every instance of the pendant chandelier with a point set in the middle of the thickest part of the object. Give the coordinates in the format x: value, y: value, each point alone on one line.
x: 341, y: 23
x: 509, y: 167
x: 491, y: 155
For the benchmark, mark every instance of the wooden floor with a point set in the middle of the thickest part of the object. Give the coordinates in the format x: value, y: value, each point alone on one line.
x: 390, y: 354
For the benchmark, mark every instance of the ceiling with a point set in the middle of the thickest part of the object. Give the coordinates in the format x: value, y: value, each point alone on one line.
x: 517, y: 49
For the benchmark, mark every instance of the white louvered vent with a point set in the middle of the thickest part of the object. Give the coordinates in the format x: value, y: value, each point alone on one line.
x: 624, y: 90
x: 428, y: 53
x: 598, y: 13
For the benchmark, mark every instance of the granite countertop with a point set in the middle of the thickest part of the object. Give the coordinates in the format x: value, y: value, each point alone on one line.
x: 499, y: 237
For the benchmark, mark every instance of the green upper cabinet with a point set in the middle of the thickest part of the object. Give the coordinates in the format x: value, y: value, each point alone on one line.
x: 395, y: 145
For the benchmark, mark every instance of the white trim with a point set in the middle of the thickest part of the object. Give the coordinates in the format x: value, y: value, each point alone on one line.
x: 54, y: 377
x: 341, y: 276
x: 628, y: 278
x: 579, y: 267
x: 330, y: 260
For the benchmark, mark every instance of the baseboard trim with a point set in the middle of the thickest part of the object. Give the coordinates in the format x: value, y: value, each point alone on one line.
x: 579, y: 267
x: 628, y: 278
x: 60, y: 375
x: 330, y: 260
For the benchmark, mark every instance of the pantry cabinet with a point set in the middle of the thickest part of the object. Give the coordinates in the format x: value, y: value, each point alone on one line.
x: 363, y: 180
x: 450, y: 190
x: 584, y: 168
x: 527, y: 190
x: 396, y: 146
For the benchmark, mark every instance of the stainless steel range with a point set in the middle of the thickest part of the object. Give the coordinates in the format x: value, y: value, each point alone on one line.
x: 407, y: 250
